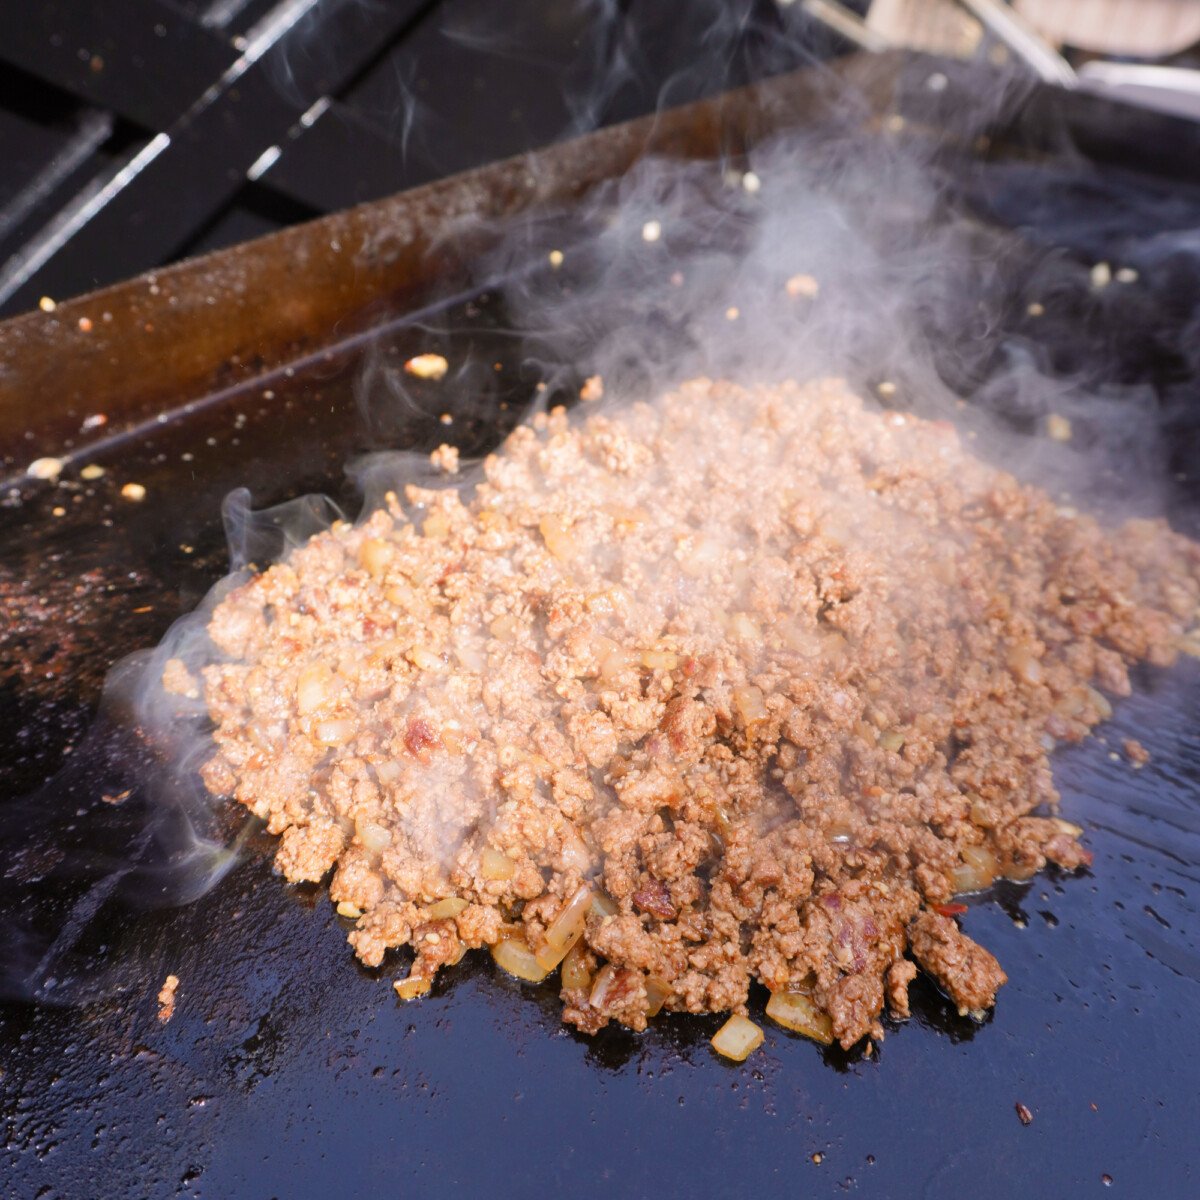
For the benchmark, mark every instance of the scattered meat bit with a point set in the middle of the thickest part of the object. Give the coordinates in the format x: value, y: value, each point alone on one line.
x: 420, y: 737
x: 116, y: 797
x: 166, y: 998
x: 1136, y: 753
x: 654, y: 897
x: 445, y: 458
x: 1024, y: 1114
x: 592, y: 390
x: 179, y: 681
x: 967, y: 972
x: 134, y: 491
x: 702, y: 662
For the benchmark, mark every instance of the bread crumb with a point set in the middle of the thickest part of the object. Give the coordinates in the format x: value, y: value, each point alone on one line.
x: 166, y: 998
x: 1058, y: 428
x: 45, y: 468
x: 427, y: 366
x: 1136, y: 752
x: 802, y: 285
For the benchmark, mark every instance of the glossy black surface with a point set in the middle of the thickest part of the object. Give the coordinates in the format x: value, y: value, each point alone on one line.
x: 289, y: 1071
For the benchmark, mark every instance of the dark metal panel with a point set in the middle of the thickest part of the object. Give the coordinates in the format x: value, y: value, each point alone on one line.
x: 175, y: 183
x: 341, y: 158
x: 148, y: 64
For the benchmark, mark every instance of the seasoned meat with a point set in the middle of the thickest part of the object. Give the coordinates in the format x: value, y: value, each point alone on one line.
x: 746, y: 683
x: 968, y: 973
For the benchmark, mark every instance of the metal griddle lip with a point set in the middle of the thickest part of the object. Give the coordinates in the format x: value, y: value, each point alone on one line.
x: 176, y: 335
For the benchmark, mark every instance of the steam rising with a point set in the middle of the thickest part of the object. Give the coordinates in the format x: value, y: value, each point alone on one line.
x: 907, y: 301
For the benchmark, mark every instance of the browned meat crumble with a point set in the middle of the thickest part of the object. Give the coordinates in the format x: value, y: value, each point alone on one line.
x: 744, y: 684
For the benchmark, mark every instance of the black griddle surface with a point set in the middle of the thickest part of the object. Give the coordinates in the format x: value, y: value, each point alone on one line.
x: 288, y: 1070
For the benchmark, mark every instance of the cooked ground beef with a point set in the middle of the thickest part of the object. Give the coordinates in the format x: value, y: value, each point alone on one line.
x: 770, y: 675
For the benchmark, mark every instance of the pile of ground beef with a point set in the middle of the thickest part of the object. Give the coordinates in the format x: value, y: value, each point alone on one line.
x: 747, y: 683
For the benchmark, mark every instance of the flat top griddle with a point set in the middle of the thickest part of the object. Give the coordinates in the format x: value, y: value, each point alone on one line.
x: 288, y: 1070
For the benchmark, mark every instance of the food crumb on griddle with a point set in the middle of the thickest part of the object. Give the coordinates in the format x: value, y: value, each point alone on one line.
x: 116, y: 797
x: 134, y: 491
x: 802, y: 285
x: 166, y: 998
x: 745, y: 684
x: 445, y: 459
x: 592, y: 389
x: 1026, y: 1117
x: 1058, y: 428
x: 427, y: 366
x: 45, y: 468
x: 1136, y: 753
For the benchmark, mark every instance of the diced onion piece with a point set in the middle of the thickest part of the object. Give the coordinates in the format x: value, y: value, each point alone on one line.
x: 1072, y: 702
x: 446, y: 909
x: 1024, y: 664
x: 658, y: 992
x: 566, y: 929
x: 892, y: 740
x: 797, y: 1012
x: 1100, y: 703
x: 750, y: 704
x: 1067, y: 827
x: 548, y: 957
x: 335, y: 732
x: 514, y: 956
x: 737, y: 1039
x: 1019, y: 872
x: 603, y: 985
x: 374, y: 554
x: 743, y: 627
x: 557, y: 537
x: 575, y: 973
x: 374, y: 837
x: 976, y: 871
x: 660, y: 660
x: 423, y: 658
x: 346, y: 909
x: 495, y: 864
x: 603, y: 905
x: 504, y: 626
x: 437, y: 524
x: 615, y: 662
x: 314, y: 687
x: 574, y: 851
x: 412, y: 987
